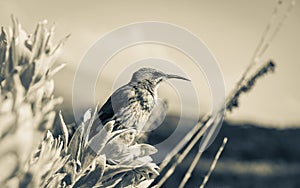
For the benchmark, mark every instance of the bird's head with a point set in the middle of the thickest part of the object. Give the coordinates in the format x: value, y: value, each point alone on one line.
x: 153, y: 76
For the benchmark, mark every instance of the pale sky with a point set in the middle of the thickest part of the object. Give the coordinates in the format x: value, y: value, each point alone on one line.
x: 231, y: 30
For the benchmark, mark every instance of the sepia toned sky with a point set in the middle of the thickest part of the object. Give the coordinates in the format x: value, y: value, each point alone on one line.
x: 230, y: 29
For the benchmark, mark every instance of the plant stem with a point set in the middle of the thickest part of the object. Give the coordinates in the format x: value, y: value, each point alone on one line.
x: 213, y: 165
x: 183, y: 155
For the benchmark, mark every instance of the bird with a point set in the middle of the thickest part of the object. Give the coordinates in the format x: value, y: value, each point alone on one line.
x: 131, y: 105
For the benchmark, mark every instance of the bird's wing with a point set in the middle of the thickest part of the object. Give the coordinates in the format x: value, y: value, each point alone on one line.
x: 106, y: 112
x: 112, y: 106
x: 104, y: 115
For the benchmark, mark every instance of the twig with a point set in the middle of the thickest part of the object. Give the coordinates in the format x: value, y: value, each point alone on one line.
x: 232, y: 101
x: 190, y: 170
x: 213, y: 165
x: 183, y: 142
x: 182, y: 156
x: 266, y: 38
x: 213, y: 122
x: 260, y: 46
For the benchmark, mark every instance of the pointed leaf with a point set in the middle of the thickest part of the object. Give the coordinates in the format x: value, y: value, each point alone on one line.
x: 141, y: 150
x: 111, y: 171
x: 75, y: 144
x: 100, y: 139
x: 64, y: 130
x: 90, y: 179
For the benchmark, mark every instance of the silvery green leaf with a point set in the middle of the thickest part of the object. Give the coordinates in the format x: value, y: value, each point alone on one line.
x: 88, y: 157
x: 138, y: 155
x: 3, y: 49
x: 49, y: 88
x: 71, y: 168
x: 137, y: 162
x: 74, y: 146
x: 9, y: 165
x: 110, y: 183
x: 56, y: 50
x: 48, y: 121
x: 126, y: 136
x: 87, y: 116
x: 141, y: 150
x: 51, y: 104
x: 116, y: 149
x: 19, y: 91
x: 87, y: 120
x: 113, y: 170
x: 19, y: 54
x: 129, y: 179
x: 115, y: 152
x: 64, y: 130
x: 56, y: 180
x: 149, y: 169
x: 46, y: 144
x: 12, y: 182
x: 39, y: 40
x: 98, y: 142
x: 7, y: 104
x: 92, y: 177
x: 55, y: 70
x: 145, y: 183
x: 84, y: 123
x: 7, y: 123
x: 25, y: 137
x: 3, y: 37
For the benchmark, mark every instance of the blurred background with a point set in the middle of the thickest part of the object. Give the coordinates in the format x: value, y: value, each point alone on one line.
x: 263, y: 132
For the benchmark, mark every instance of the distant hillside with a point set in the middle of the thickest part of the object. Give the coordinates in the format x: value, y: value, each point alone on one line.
x: 251, y: 142
x: 253, y: 157
x: 246, y: 141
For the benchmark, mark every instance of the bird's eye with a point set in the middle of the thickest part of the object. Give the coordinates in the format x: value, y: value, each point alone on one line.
x: 160, y: 79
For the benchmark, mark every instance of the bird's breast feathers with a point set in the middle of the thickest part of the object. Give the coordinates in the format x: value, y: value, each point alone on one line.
x: 132, y: 106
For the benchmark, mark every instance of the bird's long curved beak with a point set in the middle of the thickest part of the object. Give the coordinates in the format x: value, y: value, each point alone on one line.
x: 169, y: 76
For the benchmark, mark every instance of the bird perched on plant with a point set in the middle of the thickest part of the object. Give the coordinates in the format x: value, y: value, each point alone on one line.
x: 131, y: 105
